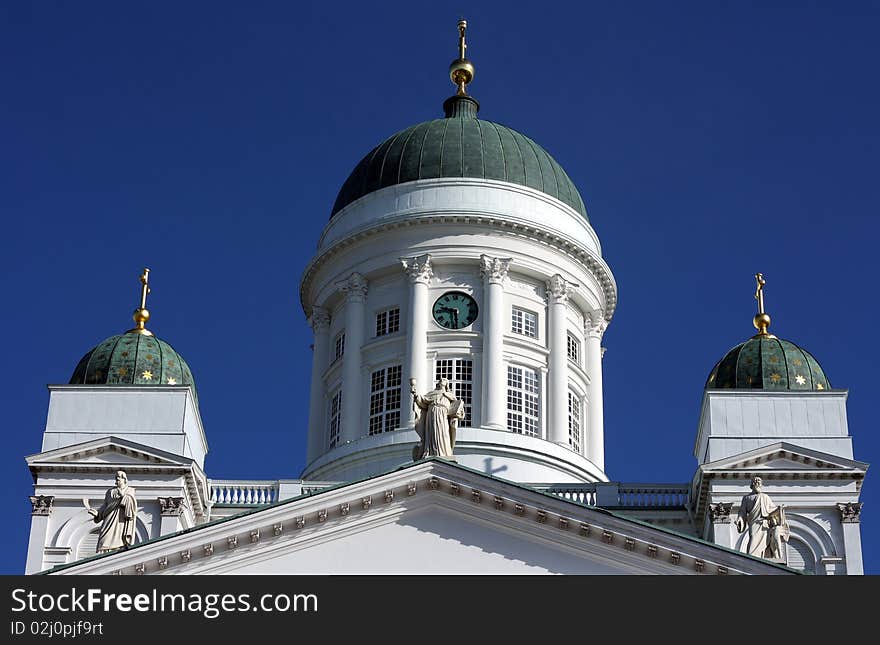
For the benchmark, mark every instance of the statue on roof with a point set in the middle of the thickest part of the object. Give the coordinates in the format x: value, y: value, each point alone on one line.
x: 117, y: 516
x: 439, y: 412
x: 765, y: 522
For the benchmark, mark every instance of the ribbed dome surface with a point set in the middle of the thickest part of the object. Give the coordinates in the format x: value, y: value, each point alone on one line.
x: 133, y: 359
x: 459, y: 145
x: 769, y: 364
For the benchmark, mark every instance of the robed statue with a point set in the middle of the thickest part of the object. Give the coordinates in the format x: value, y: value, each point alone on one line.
x: 116, y: 515
x: 438, y: 413
x: 765, y: 522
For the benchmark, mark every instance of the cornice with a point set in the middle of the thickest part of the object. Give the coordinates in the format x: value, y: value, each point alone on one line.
x: 531, y: 231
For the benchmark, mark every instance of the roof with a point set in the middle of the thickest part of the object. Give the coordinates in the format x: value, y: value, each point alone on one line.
x: 459, y: 145
x: 636, y: 525
x: 768, y: 363
x: 133, y: 359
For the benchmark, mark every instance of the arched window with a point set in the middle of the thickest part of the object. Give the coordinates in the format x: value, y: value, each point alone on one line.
x: 800, y: 556
x: 88, y: 545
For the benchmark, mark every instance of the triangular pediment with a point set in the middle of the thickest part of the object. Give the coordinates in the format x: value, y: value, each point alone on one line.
x: 106, y: 452
x: 785, y: 457
x: 429, y: 517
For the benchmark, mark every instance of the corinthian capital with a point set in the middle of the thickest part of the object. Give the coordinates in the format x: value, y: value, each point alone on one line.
x: 494, y: 269
x: 42, y: 504
x: 721, y: 512
x: 418, y: 268
x: 558, y: 289
x: 850, y: 513
x: 355, y: 288
x: 171, y: 506
x: 595, y: 325
x: 320, y: 319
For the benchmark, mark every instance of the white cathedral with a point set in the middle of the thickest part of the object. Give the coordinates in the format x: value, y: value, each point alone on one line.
x: 457, y: 249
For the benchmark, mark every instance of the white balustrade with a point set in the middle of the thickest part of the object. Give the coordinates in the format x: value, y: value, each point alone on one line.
x: 628, y: 495
x: 243, y: 492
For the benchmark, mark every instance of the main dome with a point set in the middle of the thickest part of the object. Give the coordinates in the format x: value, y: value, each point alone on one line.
x: 459, y: 145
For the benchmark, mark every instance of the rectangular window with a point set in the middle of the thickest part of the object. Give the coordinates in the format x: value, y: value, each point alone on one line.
x: 522, y: 401
x: 524, y: 322
x: 385, y: 399
x: 460, y: 371
x: 388, y: 321
x: 339, y: 347
x: 574, y: 422
x: 335, y: 417
x: 574, y: 349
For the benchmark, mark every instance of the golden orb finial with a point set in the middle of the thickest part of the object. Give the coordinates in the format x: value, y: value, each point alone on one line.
x: 461, y: 71
x: 762, y: 318
x: 142, y: 314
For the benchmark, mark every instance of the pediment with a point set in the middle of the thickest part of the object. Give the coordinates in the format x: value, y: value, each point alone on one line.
x: 785, y: 457
x: 430, y: 517
x: 106, y: 452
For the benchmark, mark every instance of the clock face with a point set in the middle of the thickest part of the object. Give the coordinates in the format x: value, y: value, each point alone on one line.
x: 455, y: 310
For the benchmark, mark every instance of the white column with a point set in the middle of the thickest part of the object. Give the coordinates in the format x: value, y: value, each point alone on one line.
x: 353, y: 420
x: 593, y: 330
x: 494, y: 272
x: 420, y: 273
x: 41, y: 511
x: 722, y: 528
x: 170, y: 512
x: 320, y: 322
x: 558, y: 290
x: 850, y: 522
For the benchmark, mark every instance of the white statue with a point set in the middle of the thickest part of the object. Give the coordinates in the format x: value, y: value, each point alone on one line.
x: 765, y: 522
x: 439, y: 412
x: 118, y: 514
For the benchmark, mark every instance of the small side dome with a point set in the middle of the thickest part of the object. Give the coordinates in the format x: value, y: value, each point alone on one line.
x: 768, y: 363
x: 136, y: 357
x: 133, y: 359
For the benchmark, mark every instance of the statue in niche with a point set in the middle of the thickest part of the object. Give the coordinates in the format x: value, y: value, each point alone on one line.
x: 438, y: 413
x: 765, y: 522
x: 117, y: 516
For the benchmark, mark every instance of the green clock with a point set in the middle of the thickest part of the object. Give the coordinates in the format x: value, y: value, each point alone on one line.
x: 455, y: 310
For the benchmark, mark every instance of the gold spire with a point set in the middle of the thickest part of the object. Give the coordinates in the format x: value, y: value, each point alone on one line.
x: 461, y: 71
x: 142, y: 314
x: 762, y: 318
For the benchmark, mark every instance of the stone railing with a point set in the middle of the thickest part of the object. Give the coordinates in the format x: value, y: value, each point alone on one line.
x: 654, y: 495
x: 241, y: 492
x: 614, y: 494
x: 580, y: 493
x: 258, y: 492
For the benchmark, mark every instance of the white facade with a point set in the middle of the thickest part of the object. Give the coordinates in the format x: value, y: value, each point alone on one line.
x: 528, y: 492
x: 153, y: 433
x: 799, y: 444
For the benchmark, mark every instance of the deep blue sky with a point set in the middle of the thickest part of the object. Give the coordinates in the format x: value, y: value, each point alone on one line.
x: 208, y: 141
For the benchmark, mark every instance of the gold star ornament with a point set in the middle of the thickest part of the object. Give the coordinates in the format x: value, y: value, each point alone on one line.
x: 800, y: 380
x: 172, y: 381
x: 148, y: 375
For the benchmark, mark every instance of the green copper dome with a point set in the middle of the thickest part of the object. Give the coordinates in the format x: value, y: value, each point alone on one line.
x: 767, y: 363
x: 133, y: 359
x: 460, y: 145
